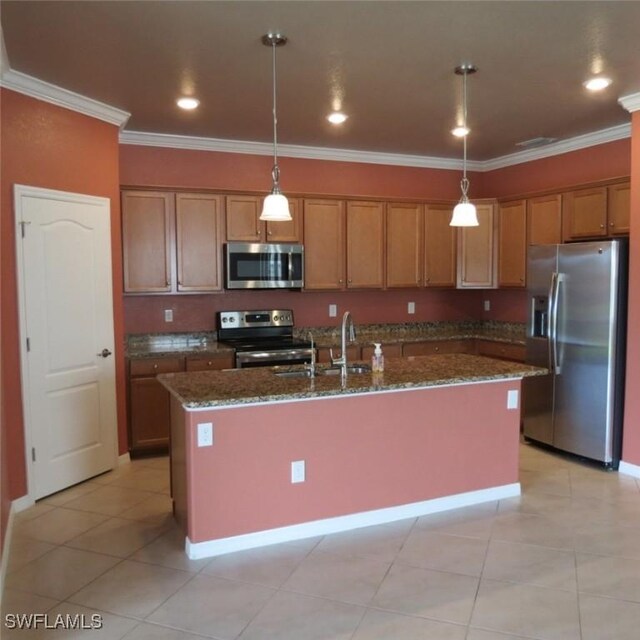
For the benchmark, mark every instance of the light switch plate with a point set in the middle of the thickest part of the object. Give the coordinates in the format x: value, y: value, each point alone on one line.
x: 333, y: 310
x: 512, y: 399
x: 487, y: 305
x: 205, y: 434
x: 168, y: 315
x: 411, y: 307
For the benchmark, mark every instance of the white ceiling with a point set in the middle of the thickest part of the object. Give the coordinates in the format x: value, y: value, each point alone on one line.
x: 389, y: 64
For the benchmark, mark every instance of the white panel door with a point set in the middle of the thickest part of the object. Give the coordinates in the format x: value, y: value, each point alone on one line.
x: 66, y: 306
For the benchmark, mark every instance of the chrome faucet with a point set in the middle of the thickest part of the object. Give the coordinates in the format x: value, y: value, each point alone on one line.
x: 347, y: 322
x: 311, y: 367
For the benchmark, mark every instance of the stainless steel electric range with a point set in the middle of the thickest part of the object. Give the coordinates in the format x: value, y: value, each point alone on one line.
x: 262, y: 338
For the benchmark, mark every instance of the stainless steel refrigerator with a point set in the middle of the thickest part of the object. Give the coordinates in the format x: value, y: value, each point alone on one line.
x: 577, y: 297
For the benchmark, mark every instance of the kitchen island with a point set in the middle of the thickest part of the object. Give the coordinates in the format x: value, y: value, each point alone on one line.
x: 430, y: 433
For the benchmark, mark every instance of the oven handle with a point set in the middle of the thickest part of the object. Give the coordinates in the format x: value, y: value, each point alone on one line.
x: 268, y: 356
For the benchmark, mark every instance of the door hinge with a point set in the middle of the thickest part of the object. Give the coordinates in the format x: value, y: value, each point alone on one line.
x: 33, y: 454
x: 28, y: 344
x: 23, y: 224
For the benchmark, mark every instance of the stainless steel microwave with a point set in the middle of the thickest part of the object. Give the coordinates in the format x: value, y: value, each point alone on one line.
x: 254, y: 265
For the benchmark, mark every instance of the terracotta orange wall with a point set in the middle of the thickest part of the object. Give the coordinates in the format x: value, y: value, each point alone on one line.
x: 51, y: 147
x: 609, y: 160
x: 181, y: 168
x: 631, y: 442
x: 361, y: 453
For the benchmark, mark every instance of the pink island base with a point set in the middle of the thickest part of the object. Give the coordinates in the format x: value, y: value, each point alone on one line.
x: 369, y: 459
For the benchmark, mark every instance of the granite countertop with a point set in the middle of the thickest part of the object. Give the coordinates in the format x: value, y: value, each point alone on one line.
x: 196, y: 390
x: 205, y: 343
x: 175, y: 345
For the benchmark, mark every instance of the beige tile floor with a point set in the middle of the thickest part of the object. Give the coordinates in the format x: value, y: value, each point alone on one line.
x: 562, y: 562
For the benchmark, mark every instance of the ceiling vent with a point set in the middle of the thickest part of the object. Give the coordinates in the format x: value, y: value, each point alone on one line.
x: 535, y: 142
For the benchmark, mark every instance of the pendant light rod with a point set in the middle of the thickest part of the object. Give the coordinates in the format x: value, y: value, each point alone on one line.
x: 464, y: 214
x: 276, y: 206
x: 274, y: 40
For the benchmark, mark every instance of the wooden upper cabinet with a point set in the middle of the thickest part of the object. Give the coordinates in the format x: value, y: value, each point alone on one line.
x: 512, y: 243
x: 242, y: 214
x: 618, y: 208
x: 324, y: 248
x: 244, y: 224
x: 584, y: 213
x: 199, y: 233
x: 440, y: 241
x: 287, y: 231
x: 404, y: 228
x: 544, y: 219
x: 147, y: 237
x: 476, y: 251
x: 365, y: 245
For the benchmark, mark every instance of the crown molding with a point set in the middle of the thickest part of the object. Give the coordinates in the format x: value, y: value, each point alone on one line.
x: 631, y: 102
x: 557, y: 148
x: 53, y: 94
x: 289, y: 150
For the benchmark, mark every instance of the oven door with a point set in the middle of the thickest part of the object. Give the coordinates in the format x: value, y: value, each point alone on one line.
x: 251, y: 265
x: 271, y: 358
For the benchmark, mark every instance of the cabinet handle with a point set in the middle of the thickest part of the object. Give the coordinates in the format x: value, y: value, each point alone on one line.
x: 340, y: 281
x: 155, y: 366
x: 209, y: 363
x: 602, y: 226
x: 611, y: 224
x: 168, y: 283
x: 269, y: 233
x: 349, y: 281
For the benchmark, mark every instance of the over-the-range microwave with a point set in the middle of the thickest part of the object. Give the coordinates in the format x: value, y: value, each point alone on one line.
x: 255, y: 265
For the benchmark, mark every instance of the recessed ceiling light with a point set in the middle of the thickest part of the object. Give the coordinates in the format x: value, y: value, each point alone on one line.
x: 461, y: 132
x: 188, y: 103
x: 336, y: 117
x: 597, y: 84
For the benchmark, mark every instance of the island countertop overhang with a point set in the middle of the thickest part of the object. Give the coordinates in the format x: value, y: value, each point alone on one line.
x: 211, y: 389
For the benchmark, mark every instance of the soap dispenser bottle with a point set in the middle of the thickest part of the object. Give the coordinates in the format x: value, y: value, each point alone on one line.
x: 377, y: 359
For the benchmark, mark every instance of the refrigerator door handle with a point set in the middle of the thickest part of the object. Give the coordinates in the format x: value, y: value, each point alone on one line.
x: 554, y: 296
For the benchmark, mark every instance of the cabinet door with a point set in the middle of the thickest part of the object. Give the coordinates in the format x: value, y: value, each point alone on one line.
x: 404, y: 245
x: 436, y: 347
x: 199, y: 242
x: 150, y: 415
x: 619, y: 208
x: 439, y: 246
x: 584, y: 213
x: 243, y: 219
x: 501, y: 350
x: 147, y: 235
x: 476, y: 251
x: 512, y: 247
x: 324, y: 247
x: 365, y: 245
x: 287, y: 231
x: 544, y: 220
x: 212, y: 363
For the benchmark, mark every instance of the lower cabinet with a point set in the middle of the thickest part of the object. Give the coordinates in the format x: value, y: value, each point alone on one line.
x: 501, y: 350
x: 432, y: 347
x: 149, y: 401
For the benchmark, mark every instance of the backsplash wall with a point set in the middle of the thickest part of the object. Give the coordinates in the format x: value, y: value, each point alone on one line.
x: 145, y: 314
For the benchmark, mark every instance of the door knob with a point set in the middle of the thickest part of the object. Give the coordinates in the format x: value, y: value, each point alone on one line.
x: 105, y: 353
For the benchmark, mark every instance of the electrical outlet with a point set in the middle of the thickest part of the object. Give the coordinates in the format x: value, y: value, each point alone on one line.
x: 512, y: 399
x: 487, y: 305
x: 168, y: 315
x: 205, y: 434
x: 333, y: 310
x: 411, y: 307
x: 297, y: 471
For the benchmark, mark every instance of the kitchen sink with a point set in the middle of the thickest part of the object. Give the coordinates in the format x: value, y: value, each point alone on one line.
x: 328, y: 371
x: 354, y: 368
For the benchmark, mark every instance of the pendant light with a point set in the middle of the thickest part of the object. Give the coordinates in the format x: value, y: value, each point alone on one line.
x: 276, y: 206
x: 464, y: 213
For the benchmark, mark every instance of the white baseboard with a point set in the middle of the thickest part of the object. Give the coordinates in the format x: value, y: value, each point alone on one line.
x: 218, y: 547
x: 125, y: 458
x: 17, y: 505
x: 629, y: 469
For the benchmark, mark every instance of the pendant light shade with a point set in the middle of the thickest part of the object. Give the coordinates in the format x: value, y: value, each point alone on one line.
x: 276, y: 206
x: 464, y: 213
